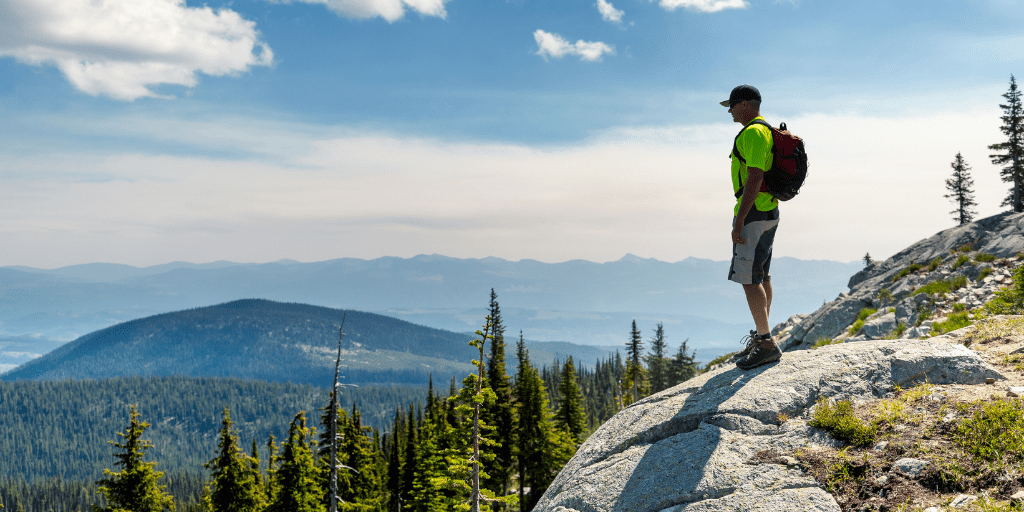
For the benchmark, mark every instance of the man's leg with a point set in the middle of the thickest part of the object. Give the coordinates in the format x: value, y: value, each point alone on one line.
x: 767, y: 285
x: 758, y: 300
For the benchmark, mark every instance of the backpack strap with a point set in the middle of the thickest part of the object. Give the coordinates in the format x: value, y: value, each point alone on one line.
x: 736, y: 150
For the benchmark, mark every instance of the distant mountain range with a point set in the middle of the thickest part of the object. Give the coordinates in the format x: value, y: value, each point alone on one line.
x: 575, y: 301
x: 276, y: 342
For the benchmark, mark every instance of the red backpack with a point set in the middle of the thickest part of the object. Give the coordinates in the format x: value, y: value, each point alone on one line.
x: 789, y: 163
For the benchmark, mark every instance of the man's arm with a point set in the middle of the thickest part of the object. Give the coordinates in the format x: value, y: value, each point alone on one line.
x: 750, y: 190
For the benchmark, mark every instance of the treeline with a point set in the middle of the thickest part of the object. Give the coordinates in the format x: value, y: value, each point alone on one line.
x: 526, y: 426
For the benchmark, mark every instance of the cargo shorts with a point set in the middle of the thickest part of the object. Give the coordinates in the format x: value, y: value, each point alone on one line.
x: 751, y: 261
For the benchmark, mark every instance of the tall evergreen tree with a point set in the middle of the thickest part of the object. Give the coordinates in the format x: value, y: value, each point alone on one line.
x: 541, y: 450
x: 296, y: 478
x: 500, y: 413
x: 636, y: 375
x: 135, y: 487
x: 867, y: 259
x: 1011, y: 151
x: 235, y: 476
x: 570, y: 416
x: 684, y: 365
x: 656, y: 361
x: 961, y: 191
x: 395, y: 451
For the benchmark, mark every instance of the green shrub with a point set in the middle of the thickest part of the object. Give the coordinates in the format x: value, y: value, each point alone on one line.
x: 1009, y: 300
x: 960, y: 261
x: 838, y: 420
x: 985, y: 272
x: 954, y: 322
x: 942, y: 286
x: 965, y: 248
x: 824, y: 341
x: 958, y: 307
x: 934, y: 264
x: 884, y: 294
x: 995, y: 433
x: 865, y: 313
x: 913, y: 267
x: 984, y: 257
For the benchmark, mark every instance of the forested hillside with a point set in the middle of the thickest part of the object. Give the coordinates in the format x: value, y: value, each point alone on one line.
x: 258, y: 339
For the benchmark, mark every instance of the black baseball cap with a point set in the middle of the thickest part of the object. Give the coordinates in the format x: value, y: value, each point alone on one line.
x: 742, y: 93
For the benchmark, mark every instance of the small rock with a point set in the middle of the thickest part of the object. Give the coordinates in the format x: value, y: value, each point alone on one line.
x: 1018, y: 497
x: 932, y: 509
x: 990, y: 380
x: 789, y: 461
x: 882, y: 480
x: 1015, y: 391
x: 963, y: 500
x: 912, y: 467
x: 880, y: 447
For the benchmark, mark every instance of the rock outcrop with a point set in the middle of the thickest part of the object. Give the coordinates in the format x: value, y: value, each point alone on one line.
x: 687, y: 449
x: 691, y: 448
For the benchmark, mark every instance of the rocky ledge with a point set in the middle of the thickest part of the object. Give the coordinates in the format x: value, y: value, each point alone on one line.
x: 688, y: 448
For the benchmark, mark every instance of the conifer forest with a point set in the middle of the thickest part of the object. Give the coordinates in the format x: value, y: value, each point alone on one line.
x: 493, y: 442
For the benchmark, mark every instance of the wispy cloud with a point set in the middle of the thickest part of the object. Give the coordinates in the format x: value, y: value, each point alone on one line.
x: 703, y: 5
x: 555, y: 46
x: 390, y: 10
x: 609, y: 12
x: 122, y: 48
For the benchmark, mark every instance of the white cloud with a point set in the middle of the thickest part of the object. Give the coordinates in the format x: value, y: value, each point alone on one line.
x: 390, y: 10
x: 123, y: 48
x: 609, y: 12
x: 703, y: 5
x: 553, y: 45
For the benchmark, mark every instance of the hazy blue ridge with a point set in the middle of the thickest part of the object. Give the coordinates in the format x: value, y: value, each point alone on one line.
x: 691, y: 296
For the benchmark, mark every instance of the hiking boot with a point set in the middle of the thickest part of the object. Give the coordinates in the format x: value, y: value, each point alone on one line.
x: 748, y: 342
x: 764, y: 351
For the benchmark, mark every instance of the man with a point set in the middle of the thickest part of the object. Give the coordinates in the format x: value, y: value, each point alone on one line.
x: 756, y: 216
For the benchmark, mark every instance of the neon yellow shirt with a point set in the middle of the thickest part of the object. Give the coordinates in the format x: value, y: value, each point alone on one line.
x: 755, y: 144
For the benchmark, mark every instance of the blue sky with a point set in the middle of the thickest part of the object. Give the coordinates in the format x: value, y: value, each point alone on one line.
x: 147, y: 131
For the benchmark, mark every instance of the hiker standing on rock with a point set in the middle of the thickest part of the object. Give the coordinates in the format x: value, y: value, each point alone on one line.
x: 756, y: 216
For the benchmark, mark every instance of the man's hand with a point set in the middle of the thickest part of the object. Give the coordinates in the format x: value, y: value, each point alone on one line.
x: 737, y: 233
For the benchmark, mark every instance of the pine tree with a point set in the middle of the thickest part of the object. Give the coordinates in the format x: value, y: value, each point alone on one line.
x: 135, y: 487
x: 395, y: 462
x: 683, y: 366
x: 656, y: 361
x: 541, y: 450
x: 636, y: 376
x: 570, y: 416
x: 235, y: 476
x: 867, y: 260
x: 1011, y: 152
x: 500, y: 414
x: 296, y: 478
x: 961, y: 191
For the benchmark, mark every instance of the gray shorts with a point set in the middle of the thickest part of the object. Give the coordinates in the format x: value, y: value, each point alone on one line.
x: 751, y: 261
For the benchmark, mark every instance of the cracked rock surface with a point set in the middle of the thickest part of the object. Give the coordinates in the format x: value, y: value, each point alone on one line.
x: 687, y: 449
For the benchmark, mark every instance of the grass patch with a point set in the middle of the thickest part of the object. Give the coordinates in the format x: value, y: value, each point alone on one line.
x: 1010, y: 300
x: 838, y: 419
x: 984, y: 257
x: 718, y: 360
x: 884, y: 294
x: 985, y: 272
x: 861, y: 317
x: 995, y: 433
x: 953, y: 322
x: 934, y: 264
x: 965, y: 248
x: 961, y: 261
x: 913, y: 267
x: 990, y: 329
x: 942, y: 286
x: 826, y: 341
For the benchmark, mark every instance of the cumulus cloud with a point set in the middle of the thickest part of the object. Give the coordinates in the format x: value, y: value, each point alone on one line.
x: 554, y: 45
x: 123, y: 48
x: 609, y: 12
x: 703, y: 5
x: 390, y: 10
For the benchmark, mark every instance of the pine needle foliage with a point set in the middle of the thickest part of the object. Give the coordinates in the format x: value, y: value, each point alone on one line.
x: 961, y: 191
x: 571, y: 417
x: 135, y: 487
x: 1010, y: 153
x: 234, y: 476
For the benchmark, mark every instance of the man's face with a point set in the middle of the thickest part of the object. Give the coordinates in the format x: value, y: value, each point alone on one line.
x: 739, y: 110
